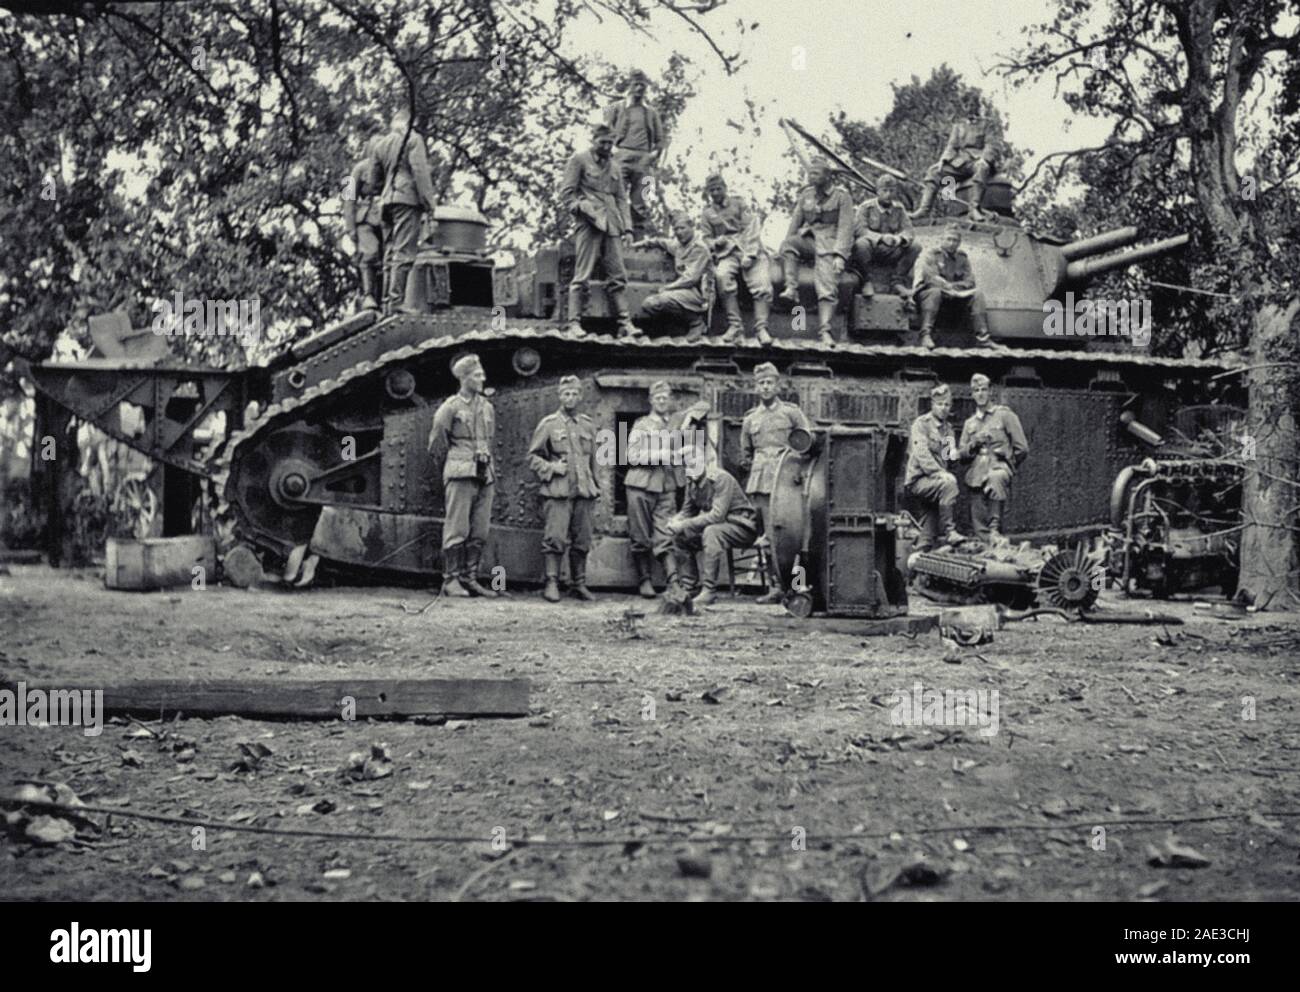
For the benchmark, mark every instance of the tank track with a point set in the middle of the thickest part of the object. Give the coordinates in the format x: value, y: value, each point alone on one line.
x: 229, y: 513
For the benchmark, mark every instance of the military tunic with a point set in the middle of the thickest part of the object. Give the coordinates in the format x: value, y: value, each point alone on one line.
x: 997, y: 430
x: 971, y: 152
x: 406, y: 188
x: 821, y: 228
x: 465, y: 429
x: 368, y: 216
x: 717, y: 515
x: 693, y: 267
x: 928, y: 478
x: 652, y: 482
x: 938, y: 275
x: 593, y: 193
x: 873, y: 220
x: 562, y: 453
x: 734, y: 229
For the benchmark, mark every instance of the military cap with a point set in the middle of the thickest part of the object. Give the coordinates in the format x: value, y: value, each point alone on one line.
x: 767, y: 368
x: 660, y: 386
x: 940, y: 392
x: 601, y: 130
x: 979, y: 379
x: 886, y: 179
x: 464, y: 365
x: 637, y: 74
x: 681, y: 215
x: 570, y: 380
x: 954, y: 228
x: 714, y: 179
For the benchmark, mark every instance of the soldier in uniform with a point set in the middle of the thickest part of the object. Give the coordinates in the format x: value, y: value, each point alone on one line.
x: 764, y: 437
x: 971, y: 153
x: 716, y: 515
x: 993, y: 440
x: 882, y: 232
x: 652, y: 481
x: 563, y: 455
x: 933, y: 447
x: 821, y: 232
x: 732, y: 230
x: 463, y: 430
x: 593, y: 193
x: 943, y: 273
x: 405, y: 191
x: 687, y: 296
x: 638, y: 143
x: 365, y: 225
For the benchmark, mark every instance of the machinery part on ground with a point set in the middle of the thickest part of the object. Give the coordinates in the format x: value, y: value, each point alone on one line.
x: 1175, y: 525
x: 1017, y: 577
x: 241, y: 567
x: 835, y: 523
x: 135, y: 505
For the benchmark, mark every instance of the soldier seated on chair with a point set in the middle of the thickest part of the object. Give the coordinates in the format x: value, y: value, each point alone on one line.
x: 716, y: 516
x: 933, y: 447
x: 686, y: 297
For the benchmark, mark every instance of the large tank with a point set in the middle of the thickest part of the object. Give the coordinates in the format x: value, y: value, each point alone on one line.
x: 331, y: 459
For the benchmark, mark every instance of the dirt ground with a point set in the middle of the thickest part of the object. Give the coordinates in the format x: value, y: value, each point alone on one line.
x: 685, y: 736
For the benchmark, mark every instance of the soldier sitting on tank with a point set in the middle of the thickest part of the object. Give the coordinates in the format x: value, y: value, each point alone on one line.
x: 821, y: 232
x: 686, y: 298
x: 732, y: 230
x: 716, y: 515
x: 933, y: 447
x: 882, y: 234
x: 995, y: 444
x: 970, y: 154
x: 943, y: 274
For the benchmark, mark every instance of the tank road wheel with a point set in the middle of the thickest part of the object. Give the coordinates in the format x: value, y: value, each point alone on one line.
x: 268, y: 477
x: 1069, y: 580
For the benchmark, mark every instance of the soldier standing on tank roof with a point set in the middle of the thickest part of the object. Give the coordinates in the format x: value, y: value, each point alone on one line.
x: 463, y: 431
x: 993, y: 440
x: 364, y: 222
x: 562, y: 453
x: 764, y: 437
x: 405, y: 191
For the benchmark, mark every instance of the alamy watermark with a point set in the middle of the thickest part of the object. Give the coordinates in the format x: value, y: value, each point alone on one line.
x: 946, y: 708
x: 670, y: 447
x: 25, y: 707
x: 1098, y: 318
x: 179, y: 317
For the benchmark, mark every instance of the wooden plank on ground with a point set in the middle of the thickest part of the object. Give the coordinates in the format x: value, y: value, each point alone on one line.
x: 313, y: 699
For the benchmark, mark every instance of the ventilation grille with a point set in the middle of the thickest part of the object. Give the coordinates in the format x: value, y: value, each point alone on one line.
x: 857, y: 408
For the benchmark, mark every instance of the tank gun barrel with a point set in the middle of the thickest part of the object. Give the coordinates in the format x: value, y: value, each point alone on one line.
x: 1099, y: 243
x: 1086, y: 268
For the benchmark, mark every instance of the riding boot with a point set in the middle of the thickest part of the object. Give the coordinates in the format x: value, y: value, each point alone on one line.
x: 473, y: 557
x: 927, y: 341
x: 735, y: 323
x: 552, y: 591
x: 697, y: 328
x: 927, y: 201
x: 452, y: 564
x: 981, y: 322
x: 689, y: 573
x: 626, y: 329
x: 762, y: 308
x: 578, y: 576
x: 577, y: 304
x: 995, y: 521
x: 369, y: 286
x: 708, y: 580
x: 825, y: 316
x: 396, y: 302
x: 669, y: 562
x: 951, y: 535
x: 790, y: 293
x: 774, y: 592
x: 645, y: 585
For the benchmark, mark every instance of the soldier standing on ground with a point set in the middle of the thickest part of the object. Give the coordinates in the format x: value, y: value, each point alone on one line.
x: 993, y: 438
x: 463, y: 430
x: 764, y: 437
x: 687, y: 296
x: 638, y: 132
x: 732, y: 230
x: 593, y: 193
x: 821, y: 232
x: 882, y: 232
x: 944, y: 273
x: 562, y: 453
x: 652, y: 481
x: 716, y: 515
x: 933, y: 447
x: 365, y: 225
x: 405, y: 192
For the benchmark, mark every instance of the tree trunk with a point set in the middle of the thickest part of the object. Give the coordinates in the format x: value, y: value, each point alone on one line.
x: 1271, y: 491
